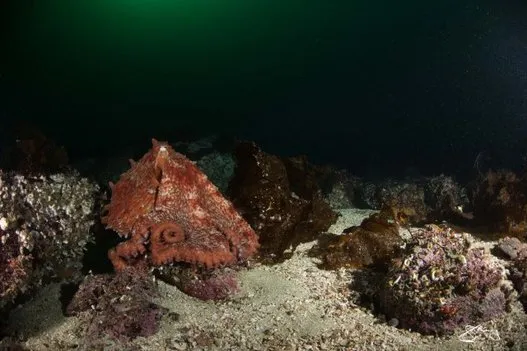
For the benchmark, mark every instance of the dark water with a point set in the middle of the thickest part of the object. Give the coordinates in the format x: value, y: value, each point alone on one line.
x: 378, y: 87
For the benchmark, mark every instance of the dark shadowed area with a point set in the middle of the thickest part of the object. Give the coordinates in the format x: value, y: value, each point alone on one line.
x: 381, y: 88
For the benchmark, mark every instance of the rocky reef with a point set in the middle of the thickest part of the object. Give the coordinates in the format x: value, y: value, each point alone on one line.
x: 416, y: 202
x: 442, y: 283
x: 175, y: 224
x: 44, y: 228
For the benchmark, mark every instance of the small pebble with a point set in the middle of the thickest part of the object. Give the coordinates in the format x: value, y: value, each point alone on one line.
x: 394, y: 322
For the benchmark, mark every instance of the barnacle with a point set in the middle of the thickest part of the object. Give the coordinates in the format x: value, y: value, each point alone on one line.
x: 442, y: 283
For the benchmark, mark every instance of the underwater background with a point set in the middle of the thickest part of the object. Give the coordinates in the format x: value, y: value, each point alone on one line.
x: 380, y: 88
x: 263, y: 175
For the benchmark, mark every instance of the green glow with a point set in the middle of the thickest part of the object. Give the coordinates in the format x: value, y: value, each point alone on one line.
x: 223, y: 50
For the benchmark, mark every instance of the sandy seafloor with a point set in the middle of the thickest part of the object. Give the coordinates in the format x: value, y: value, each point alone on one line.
x: 289, y: 306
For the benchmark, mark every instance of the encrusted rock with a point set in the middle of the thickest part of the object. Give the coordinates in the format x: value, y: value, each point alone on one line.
x: 516, y: 251
x: 120, y: 306
x: 44, y: 228
x: 442, y: 283
x: 416, y: 202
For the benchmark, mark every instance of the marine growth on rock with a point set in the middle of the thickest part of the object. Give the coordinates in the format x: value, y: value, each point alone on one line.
x: 442, y: 282
x: 119, y: 306
x: 45, y: 225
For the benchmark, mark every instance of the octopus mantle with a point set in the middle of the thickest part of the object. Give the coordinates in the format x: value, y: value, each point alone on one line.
x: 169, y: 210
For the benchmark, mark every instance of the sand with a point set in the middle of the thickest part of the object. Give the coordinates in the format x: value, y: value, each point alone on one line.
x: 289, y: 306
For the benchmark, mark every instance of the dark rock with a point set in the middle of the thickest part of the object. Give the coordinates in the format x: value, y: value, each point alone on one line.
x: 374, y: 243
x: 280, y: 199
x: 420, y: 201
x: 500, y: 203
x: 30, y: 152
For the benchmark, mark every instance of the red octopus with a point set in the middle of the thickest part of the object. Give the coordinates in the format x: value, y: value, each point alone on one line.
x: 169, y: 210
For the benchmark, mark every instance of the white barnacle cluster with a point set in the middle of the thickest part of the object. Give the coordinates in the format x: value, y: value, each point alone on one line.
x: 425, y: 271
x: 26, y: 240
x: 54, y: 212
x: 4, y: 223
x: 442, y: 269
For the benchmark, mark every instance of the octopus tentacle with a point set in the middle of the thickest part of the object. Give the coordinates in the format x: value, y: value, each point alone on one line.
x: 123, y: 254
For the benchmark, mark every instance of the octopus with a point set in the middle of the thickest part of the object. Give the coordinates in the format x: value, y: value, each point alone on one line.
x: 169, y: 212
